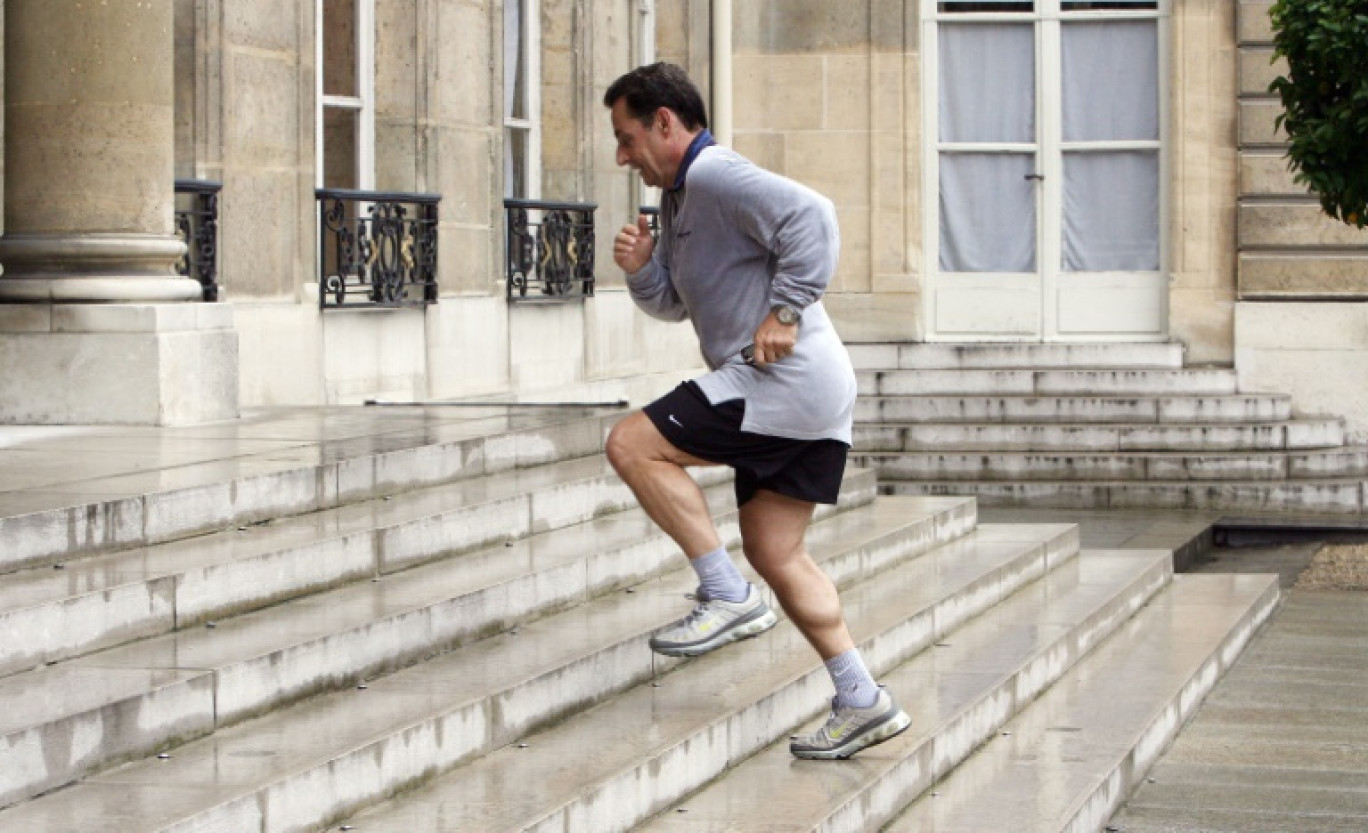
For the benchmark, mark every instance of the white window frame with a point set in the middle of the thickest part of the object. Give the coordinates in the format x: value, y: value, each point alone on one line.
x: 645, y: 49
x: 363, y: 104
x: 1047, y: 18
x: 529, y: 19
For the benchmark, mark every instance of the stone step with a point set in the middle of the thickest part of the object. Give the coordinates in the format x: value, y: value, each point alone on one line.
x: 1129, y: 466
x: 958, y: 693
x: 1049, y: 382
x: 189, y: 682
x: 911, y: 356
x: 1328, y: 496
x: 1091, y: 738
x: 107, y: 599
x: 1075, y: 409
x: 610, y: 767
x: 300, y: 767
x: 1081, y: 437
x: 311, y: 468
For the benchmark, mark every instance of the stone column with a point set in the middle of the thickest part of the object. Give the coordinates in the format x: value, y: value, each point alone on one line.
x: 90, y: 153
x: 94, y: 324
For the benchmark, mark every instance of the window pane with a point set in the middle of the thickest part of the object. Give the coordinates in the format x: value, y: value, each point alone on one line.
x: 515, y: 93
x: 1111, y: 81
x: 967, y: 6
x: 339, y: 47
x: 987, y: 82
x: 516, y: 163
x: 339, y: 147
x: 988, y: 212
x: 1111, y: 211
x: 1108, y: 5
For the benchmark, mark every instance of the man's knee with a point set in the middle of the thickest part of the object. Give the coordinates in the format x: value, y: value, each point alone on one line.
x: 625, y: 442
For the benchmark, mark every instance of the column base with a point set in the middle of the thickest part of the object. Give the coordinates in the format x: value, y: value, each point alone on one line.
x: 113, y: 289
x: 56, y: 268
x: 117, y: 364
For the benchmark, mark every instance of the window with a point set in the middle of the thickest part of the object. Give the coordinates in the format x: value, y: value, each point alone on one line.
x: 345, y: 55
x: 522, y: 99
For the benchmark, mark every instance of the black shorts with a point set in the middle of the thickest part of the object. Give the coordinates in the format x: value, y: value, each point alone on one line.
x: 809, y: 470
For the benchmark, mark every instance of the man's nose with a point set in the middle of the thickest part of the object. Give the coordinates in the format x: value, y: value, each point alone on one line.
x: 621, y: 157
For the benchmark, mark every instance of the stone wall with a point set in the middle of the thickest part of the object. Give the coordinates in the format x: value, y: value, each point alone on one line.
x: 1302, y: 316
x: 1203, y: 165
x: 245, y: 82
x: 826, y: 92
x: 1288, y: 247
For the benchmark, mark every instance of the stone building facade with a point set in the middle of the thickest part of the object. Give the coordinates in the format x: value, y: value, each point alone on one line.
x: 890, y: 107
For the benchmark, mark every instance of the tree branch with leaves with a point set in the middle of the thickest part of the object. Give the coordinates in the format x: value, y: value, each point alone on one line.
x: 1325, y: 100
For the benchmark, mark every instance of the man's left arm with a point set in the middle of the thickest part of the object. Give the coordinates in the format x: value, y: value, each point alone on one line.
x: 798, y: 226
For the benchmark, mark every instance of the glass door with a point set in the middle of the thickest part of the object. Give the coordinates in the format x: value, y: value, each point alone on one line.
x: 1046, y: 167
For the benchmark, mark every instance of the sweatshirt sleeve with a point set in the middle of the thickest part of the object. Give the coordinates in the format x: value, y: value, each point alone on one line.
x: 653, y: 292
x: 798, y: 226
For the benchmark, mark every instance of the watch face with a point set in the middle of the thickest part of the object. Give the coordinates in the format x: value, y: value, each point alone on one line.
x: 786, y: 315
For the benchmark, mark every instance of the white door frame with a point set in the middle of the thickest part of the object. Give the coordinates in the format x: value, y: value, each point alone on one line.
x: 1039, y: 296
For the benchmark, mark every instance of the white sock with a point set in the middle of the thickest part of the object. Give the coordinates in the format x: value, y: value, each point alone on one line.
x: 854, y: 685
x: 718, y: 576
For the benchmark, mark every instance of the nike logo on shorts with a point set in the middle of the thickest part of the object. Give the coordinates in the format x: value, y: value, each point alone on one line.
x: 675, y: 421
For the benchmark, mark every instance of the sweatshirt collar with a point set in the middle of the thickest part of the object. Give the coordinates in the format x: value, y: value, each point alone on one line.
x: 702, y: 140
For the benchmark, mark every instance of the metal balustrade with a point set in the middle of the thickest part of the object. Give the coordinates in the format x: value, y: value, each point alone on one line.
x: 550, y: 250
x: 197, y: 227
x: 376, y: 249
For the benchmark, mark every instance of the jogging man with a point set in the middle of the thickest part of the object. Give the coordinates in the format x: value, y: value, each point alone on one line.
x: 745, y: 255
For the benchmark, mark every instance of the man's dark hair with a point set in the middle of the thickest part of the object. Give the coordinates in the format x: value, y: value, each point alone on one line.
x: 647, y: 89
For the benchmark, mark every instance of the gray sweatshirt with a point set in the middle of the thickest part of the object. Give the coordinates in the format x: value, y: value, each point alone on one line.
x: 735, y: 241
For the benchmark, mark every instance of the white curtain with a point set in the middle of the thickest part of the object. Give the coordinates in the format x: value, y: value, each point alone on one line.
x: 1110, y: 208
x: 987, y: 74
x: 987, y: 205
x: 988, y: 212
x: 1111, y: 94
x: 1111, y: 211
x: 1111, y: 76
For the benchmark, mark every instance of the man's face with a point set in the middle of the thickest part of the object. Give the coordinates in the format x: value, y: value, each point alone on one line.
x: 642, y: 147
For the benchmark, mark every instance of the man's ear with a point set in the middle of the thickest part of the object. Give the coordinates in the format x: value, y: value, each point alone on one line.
x: 663, y: 118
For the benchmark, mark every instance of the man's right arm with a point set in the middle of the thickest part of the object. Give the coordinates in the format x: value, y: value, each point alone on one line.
x: 648, y: 280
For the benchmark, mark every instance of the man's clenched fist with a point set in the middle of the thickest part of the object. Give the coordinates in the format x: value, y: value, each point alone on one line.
x: 633, y: 246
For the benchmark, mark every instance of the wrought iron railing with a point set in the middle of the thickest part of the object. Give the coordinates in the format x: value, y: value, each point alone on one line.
x: 197, y: 226
x: 550, y: 250
x: 376, y: 249
x: 652, y: 219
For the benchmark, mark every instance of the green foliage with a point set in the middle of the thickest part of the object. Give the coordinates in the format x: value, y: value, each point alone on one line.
x: 1325, y: 100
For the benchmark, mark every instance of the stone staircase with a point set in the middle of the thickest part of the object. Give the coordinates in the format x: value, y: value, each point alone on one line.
x: 1095, y: 426
x: 446, y: 630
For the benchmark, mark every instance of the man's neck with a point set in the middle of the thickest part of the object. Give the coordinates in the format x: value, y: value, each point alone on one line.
x: 698, y: 140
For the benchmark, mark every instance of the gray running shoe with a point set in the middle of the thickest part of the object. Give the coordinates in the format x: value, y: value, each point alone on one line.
x: 714, y: 623
x: 849, y: 730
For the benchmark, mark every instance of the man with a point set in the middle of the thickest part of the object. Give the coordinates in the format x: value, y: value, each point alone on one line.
x: 745, y: 255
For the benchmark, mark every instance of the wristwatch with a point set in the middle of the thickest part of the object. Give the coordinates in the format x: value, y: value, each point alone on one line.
x: 786, y: 315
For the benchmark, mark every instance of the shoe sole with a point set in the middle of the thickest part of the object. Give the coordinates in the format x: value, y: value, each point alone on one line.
x: 875, y: 735
x: 745, y: 630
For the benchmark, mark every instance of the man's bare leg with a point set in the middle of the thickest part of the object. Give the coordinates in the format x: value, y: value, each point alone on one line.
x: 772, y: 530
x: 729, y: 607
x: 655, y: 471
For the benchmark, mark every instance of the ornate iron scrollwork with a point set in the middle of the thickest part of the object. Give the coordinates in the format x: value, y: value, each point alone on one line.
x: 197, y: 227
x: 550, y: 250
x: 652, y: 219
x: 377, y: 249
